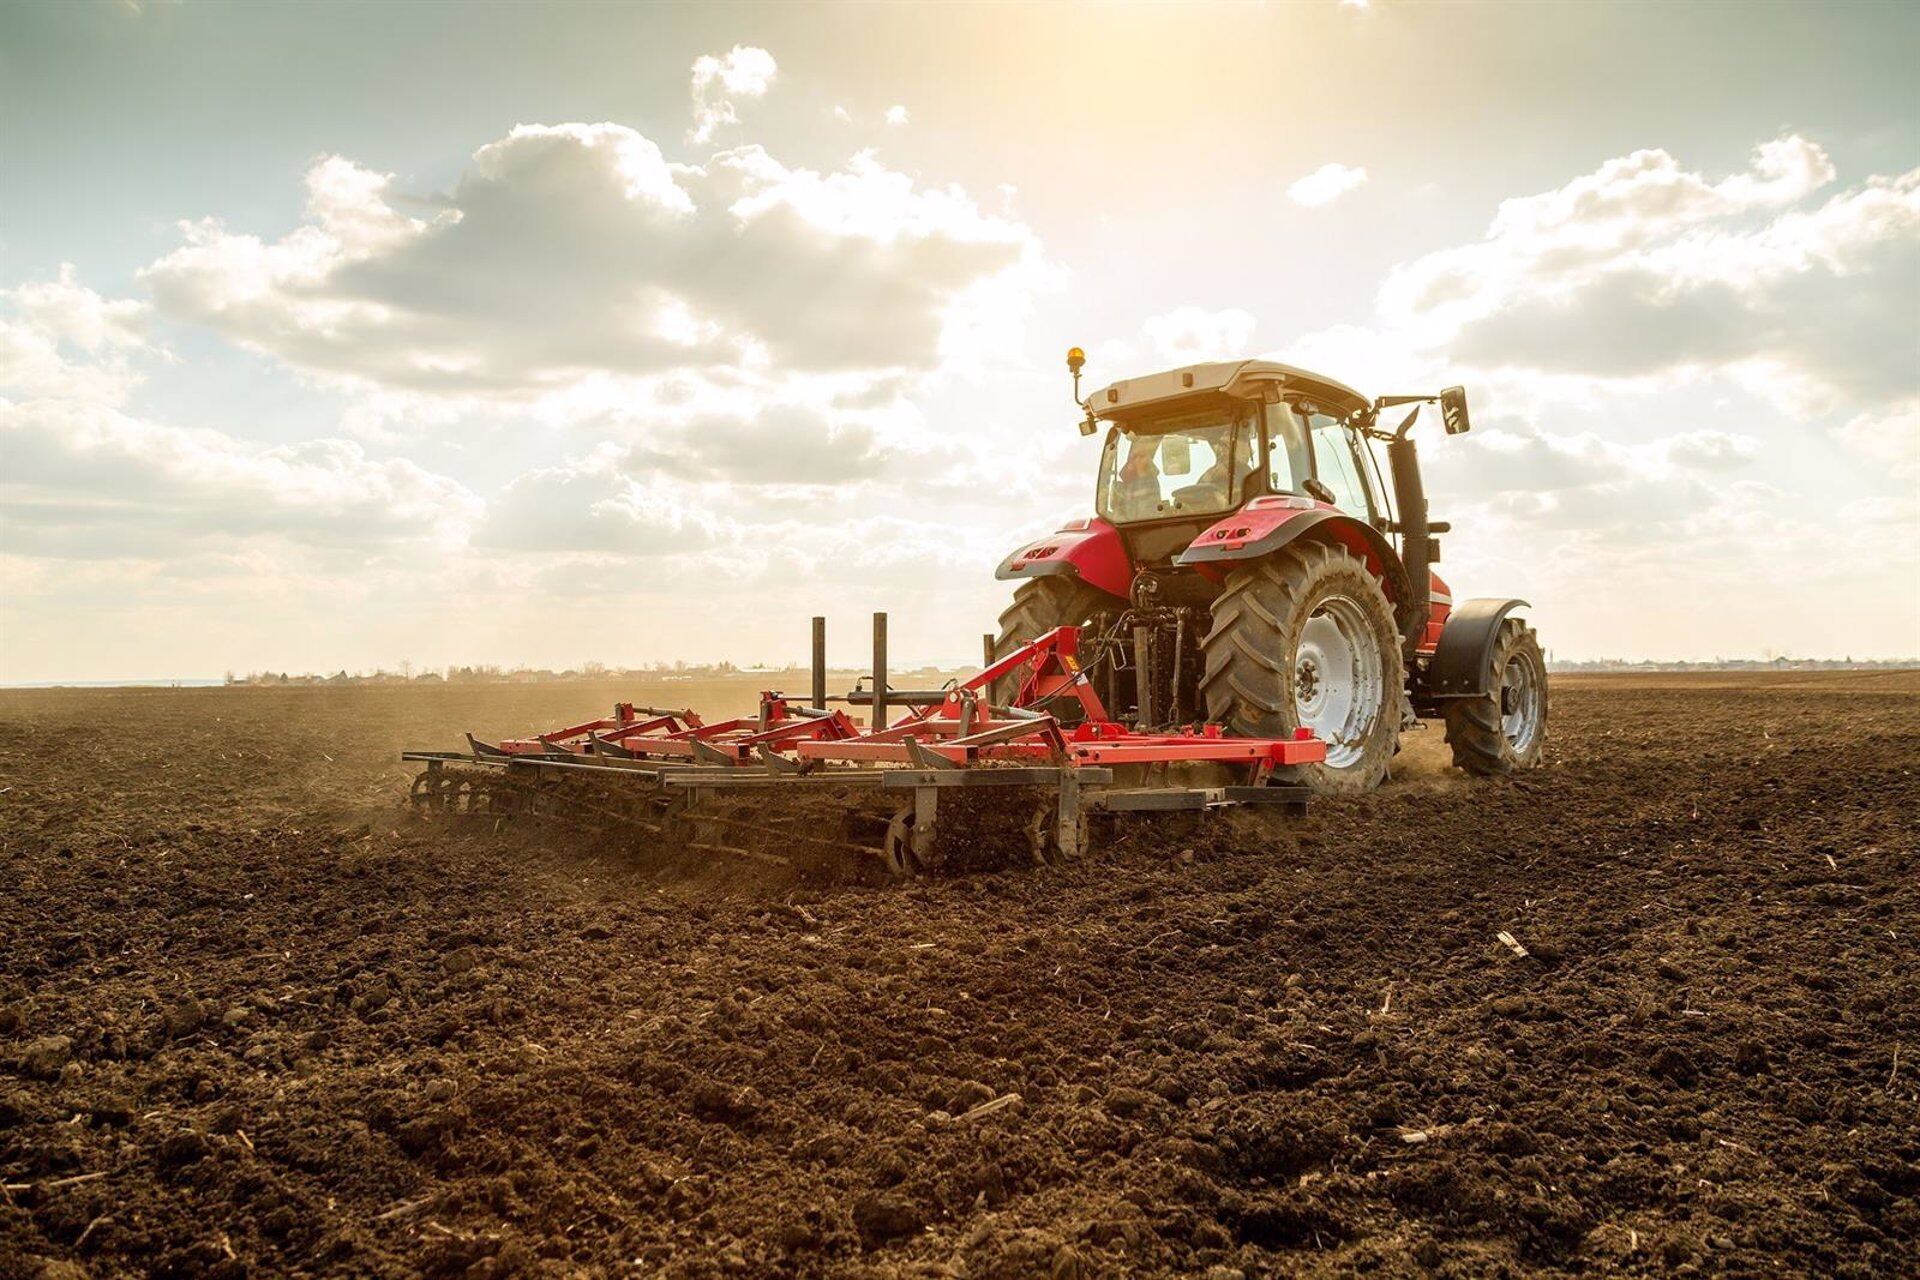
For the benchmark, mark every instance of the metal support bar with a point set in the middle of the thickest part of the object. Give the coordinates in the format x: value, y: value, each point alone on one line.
x: 1143, y: 664
x: 899, y: 697
x: 1155, y: 799
x: 879, y: 718
x: 999, y: 733
x: 1071, y: 835
x: 926, y: 819
x: 820, y: 662
x: 995, y: 777
x: 754, y: 780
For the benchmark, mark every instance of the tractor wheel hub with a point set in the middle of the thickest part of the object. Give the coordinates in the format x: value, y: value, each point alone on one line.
x: 1339, y: 679
x: 1308, y: 675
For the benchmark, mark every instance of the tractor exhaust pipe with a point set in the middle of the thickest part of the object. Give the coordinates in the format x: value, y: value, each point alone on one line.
x: 1416, y: 533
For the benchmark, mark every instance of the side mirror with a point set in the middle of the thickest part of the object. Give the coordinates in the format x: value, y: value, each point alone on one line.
x: 1453, y: 411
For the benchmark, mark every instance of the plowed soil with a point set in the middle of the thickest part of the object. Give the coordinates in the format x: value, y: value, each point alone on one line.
x: 254, y: 1019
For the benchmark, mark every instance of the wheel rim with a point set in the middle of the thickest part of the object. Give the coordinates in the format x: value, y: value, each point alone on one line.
x: 1337, y: 679
x: 1520, y: 687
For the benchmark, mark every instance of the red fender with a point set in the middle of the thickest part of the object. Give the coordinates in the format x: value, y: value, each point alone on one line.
x: 1268, y: 523
x: 1091, y: 549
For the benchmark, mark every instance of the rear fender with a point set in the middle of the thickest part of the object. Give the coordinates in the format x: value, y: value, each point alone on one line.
x: 1092, y: 550
x: 1267, y: 524
x: 1460, y: 664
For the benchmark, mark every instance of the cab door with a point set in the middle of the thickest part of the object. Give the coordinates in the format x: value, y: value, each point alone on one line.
x: 1339, y: 465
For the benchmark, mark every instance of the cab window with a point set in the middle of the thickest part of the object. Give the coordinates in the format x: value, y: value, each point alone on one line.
x: 1287, y: 465
x: 1197, y: 464
x: 1337, y: 465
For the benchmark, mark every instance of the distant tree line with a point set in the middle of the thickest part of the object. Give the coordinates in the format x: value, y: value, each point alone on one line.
x: 1776, y: 663
x: 490, y: 673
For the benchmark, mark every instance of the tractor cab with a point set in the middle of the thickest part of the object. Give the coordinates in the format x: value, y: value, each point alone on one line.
x: 1187, y: 447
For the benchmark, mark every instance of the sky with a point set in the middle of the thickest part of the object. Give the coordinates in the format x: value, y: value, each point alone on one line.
x: 342, y: 337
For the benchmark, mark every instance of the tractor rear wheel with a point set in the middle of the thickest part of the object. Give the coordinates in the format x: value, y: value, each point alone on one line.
x: 1502, y: 731
x: 1039, y: 605
x: 1306, y: 638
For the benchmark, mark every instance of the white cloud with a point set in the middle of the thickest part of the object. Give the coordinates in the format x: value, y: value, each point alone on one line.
x: 582, y: 525
x: 60, y: 338
x: 897, y: 115
x: 89, y: 481
x: 1189, y: 334
x: 1519, y: 460
x: 841, y: 114
x: 744, y: 71
x: 1643, y: 269
x: 1887, y: 439
x: 574, y: 251
x: 1592, y: 321
x: 1326, y: 184
x: 70, y: 312
x: 595, y: 504
x: 84, y: 479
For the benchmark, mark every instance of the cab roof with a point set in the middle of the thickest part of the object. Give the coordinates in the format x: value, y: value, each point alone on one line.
x: 1242, y: 379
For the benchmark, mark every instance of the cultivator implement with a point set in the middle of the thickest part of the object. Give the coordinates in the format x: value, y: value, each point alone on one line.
x: 955, y: 781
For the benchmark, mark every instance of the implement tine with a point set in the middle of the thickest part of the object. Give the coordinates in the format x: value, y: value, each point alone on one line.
x: 710, y: 754
x: 484, y: 750
x: 774, y: 762
x: 603, y: 747
x: 923, y: 758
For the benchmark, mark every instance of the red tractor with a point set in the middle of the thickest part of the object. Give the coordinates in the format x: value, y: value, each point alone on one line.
x: 1244, y: 567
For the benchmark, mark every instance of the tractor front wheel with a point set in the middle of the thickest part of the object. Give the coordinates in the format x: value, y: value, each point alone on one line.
x: 1306, y: 639
x: 1502, y: 730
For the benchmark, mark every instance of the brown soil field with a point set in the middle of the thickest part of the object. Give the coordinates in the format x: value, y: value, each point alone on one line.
x: 254, y: 1018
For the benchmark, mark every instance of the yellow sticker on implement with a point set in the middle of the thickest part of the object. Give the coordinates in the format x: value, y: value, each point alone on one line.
x: 1067, y: 662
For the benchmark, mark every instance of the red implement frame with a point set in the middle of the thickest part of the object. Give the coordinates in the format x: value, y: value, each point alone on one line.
x: 962, y: 730
x: 655, y: 733
x: 956, y: 738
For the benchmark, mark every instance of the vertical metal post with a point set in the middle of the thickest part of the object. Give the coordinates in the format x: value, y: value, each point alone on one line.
x: 986, y: 649
x: 879, y: 720
x: 1177, y: 712
x: 926, y: 820
x: 819, y: 663
x: 1143, y: 676
x: 1071, y: 833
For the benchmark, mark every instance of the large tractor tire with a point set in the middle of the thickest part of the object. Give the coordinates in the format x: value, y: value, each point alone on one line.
x: 1305, y: 637
x: 1502, y: 731
x: 1039, y: 605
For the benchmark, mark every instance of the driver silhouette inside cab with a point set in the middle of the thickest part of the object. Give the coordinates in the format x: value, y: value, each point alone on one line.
x: 1136, y: 493
x: 1218, y: 485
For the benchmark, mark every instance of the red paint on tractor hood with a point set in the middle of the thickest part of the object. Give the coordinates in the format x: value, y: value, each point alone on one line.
x: 1091, y: 548
x: 1255, y: 521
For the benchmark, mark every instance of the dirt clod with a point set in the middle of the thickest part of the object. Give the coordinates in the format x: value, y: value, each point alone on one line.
x: 47, y: 1056
x: 183, y: 1018
x: 881, y: 1218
